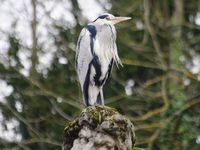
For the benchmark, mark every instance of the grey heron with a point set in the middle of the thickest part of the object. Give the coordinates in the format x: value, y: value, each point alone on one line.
x: 96, y: 52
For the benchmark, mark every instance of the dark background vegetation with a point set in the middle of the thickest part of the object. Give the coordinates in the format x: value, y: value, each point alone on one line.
x: 158, y: 88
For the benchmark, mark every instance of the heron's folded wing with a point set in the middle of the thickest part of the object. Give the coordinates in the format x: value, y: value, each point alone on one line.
x: 83, y: 54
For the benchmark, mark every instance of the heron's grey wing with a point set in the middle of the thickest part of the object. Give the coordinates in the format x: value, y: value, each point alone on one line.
x: 83, y: 55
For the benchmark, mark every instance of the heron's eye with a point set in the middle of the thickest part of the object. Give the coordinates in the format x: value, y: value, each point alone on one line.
x: 108, y: 18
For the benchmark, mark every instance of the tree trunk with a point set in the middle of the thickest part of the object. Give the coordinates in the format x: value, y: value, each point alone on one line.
x: 99, y: 128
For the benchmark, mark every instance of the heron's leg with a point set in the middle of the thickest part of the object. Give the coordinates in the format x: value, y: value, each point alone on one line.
x: 100, y: 98
x: 86, y: 99
x: 93, y: 94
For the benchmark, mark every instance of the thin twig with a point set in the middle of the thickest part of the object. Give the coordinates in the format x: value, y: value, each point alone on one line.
x: 159, y: 110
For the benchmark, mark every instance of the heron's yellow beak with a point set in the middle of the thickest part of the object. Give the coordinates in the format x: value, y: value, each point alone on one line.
x: 116, y: 20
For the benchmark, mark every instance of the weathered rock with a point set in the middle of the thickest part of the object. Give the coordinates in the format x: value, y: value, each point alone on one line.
x: 99, y: 128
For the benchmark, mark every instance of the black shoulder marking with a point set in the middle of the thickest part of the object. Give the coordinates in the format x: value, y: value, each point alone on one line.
x: 92, y: 30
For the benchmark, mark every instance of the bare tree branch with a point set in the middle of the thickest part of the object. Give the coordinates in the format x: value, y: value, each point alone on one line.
x: 153, y: 34
x: 34, y: 58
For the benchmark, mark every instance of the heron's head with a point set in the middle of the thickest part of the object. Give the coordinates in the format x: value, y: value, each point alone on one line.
x: 107, y: 18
